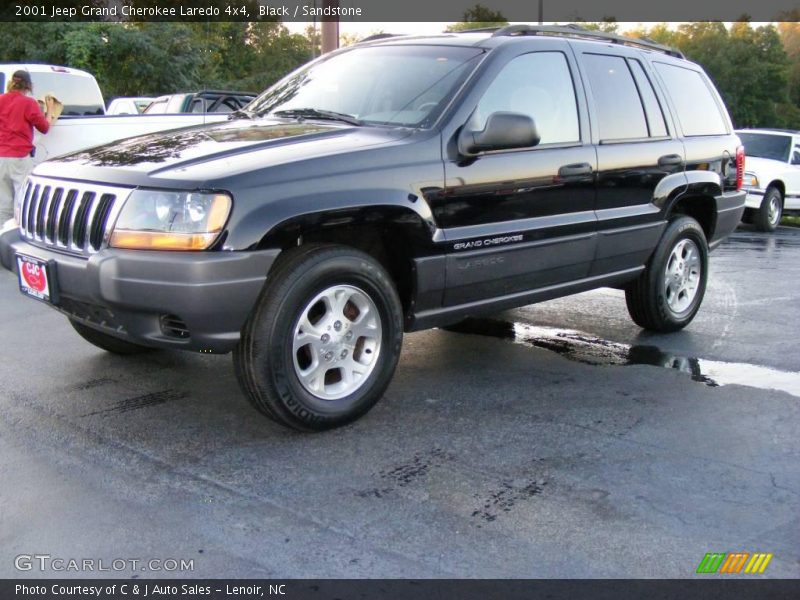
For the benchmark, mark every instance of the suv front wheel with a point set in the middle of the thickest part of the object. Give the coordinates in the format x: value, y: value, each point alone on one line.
x: 323, y: 342
x: 668, y: 294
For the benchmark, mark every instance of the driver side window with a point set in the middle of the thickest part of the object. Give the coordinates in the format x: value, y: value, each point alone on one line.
x: 796, y: 156
x: 540, y: 86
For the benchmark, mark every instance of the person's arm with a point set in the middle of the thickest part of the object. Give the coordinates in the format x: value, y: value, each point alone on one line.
x: 37, y: 118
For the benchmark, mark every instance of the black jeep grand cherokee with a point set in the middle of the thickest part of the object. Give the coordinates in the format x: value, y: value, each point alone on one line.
x: 397, y: 185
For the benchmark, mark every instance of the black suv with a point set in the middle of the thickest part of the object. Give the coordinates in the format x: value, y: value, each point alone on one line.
x: 397, y: 185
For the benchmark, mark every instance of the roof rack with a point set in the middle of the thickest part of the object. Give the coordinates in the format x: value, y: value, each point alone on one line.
x: 577, y: 31
x: 379, y: 36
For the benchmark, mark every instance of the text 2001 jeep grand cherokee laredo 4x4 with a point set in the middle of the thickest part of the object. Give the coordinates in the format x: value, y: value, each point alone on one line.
x: 393, y: 186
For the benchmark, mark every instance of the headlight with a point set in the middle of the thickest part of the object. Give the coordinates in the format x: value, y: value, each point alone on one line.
x: 750, y: 180
x: 164, y: 220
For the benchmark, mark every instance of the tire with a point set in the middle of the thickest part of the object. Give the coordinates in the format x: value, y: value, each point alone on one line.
x: 323, y: 342
x: 769, y: 213
x: 109, y: 343
x: 668, y: 294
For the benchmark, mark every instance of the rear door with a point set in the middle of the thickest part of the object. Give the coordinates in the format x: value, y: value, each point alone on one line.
x: 521, y: 220
x: 637, y: 147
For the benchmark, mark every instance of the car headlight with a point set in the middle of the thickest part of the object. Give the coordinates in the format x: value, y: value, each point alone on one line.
x: 750, y: 180
x: 170, y: 220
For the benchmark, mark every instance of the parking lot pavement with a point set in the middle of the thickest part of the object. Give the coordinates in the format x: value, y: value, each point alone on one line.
x: 557, y: 440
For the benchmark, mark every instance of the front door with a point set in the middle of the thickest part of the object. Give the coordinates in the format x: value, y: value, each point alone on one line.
x: 522, y: 220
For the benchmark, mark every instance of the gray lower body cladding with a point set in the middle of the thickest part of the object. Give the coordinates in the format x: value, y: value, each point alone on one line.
x: 131, y: 294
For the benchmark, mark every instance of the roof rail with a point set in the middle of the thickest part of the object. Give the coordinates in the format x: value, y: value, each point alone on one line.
x: 379, y: 36
x: 577, y: 31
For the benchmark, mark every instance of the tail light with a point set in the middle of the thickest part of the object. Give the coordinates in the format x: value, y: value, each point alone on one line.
x: 739, y: 167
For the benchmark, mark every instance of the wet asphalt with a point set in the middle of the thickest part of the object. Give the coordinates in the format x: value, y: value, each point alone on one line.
x: 557, y: 440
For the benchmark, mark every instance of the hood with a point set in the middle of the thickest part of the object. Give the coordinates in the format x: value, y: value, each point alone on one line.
x: 753, y: 164
x: 208, y: 152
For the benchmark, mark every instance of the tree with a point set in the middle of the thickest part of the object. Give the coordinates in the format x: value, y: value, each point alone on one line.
x: 749, y: 67
x: 479, y: 17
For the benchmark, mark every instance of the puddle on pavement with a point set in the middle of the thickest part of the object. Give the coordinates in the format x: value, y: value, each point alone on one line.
x: 762, y: 242
x: 588, y: 349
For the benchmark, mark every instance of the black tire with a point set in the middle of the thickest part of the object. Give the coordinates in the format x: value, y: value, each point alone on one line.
x: 651, y: 303
x: 749, y: 216
x: 268, y: 363
x: 109, y: 343
x: 769, y: 213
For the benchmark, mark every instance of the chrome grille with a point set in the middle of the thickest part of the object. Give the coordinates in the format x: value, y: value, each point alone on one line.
x: 72, y: 217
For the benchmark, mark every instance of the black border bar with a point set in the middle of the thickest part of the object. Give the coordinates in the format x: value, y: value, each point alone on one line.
x: 384, y: 12
x: 714, y: 588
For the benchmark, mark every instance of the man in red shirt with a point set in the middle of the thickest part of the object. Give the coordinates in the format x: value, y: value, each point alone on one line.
x: 19, y: 114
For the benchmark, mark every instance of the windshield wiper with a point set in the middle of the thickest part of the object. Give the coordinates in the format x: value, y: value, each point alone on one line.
x: 242, y: 113
x: 315, y: 113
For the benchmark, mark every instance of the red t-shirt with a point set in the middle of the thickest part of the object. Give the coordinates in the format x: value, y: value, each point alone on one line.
x: 19, y: 114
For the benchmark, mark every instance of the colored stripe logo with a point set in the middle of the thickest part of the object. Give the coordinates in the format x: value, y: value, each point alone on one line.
x: 734, y: 562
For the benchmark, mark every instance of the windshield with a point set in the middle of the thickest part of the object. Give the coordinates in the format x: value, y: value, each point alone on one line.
x: 79, y: 94
x: 764, y: 145
x: 393, y: 85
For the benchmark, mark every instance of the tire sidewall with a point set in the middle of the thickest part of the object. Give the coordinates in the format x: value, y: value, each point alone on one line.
x: 348, y: 268
x: 677, y: 230
x: 771, y: 193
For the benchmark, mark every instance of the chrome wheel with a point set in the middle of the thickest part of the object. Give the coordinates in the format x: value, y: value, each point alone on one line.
x: 682, y: 276
x: 774, y: 210
x: 336, y: 342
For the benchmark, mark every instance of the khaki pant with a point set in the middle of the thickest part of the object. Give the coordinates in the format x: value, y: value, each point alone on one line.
x: 12, y: 173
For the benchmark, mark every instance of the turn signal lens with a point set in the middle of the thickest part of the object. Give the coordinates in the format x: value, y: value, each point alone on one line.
x: 166, y: 220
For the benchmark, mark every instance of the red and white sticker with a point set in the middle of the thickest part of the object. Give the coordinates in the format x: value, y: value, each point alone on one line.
x: 33, y: 277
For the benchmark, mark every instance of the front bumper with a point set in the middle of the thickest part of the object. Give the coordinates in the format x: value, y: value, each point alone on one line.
x: 730, y: 208
x: 753, y: 198
x: 128, y: 293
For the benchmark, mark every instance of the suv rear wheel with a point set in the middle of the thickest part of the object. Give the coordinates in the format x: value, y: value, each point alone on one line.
x: 668, y: 294
x: 769, y: 213
x: 322, y: 344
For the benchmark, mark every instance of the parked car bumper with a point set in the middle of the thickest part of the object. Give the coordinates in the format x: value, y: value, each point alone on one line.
x: 753, y: 198
x: 129, y: 293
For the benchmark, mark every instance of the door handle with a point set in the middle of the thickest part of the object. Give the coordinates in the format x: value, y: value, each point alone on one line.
x: 670, y: 160
x: 575, y: 169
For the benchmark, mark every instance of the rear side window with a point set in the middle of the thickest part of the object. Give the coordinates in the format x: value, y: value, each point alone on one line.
x: 698, y: 111
x: 653, y: 112
x: 538, y: 85
x: 619, y: 109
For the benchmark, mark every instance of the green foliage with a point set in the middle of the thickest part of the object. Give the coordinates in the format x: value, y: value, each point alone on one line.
x: 479, y: 17
x: 749, y: 65
x: 151, y: 58
x: 607, y: 25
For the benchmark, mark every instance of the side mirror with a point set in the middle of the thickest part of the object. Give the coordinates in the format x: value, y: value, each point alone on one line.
x: 503, y: 131
x: 795, y: 158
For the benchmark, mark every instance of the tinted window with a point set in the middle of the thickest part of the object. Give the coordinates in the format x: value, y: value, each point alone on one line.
x: 79, y: 94
x: 764, y: 145
x: 619, y: 109
x: 538, y: 85
x: 698, y: 111
x: 653, y: 112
